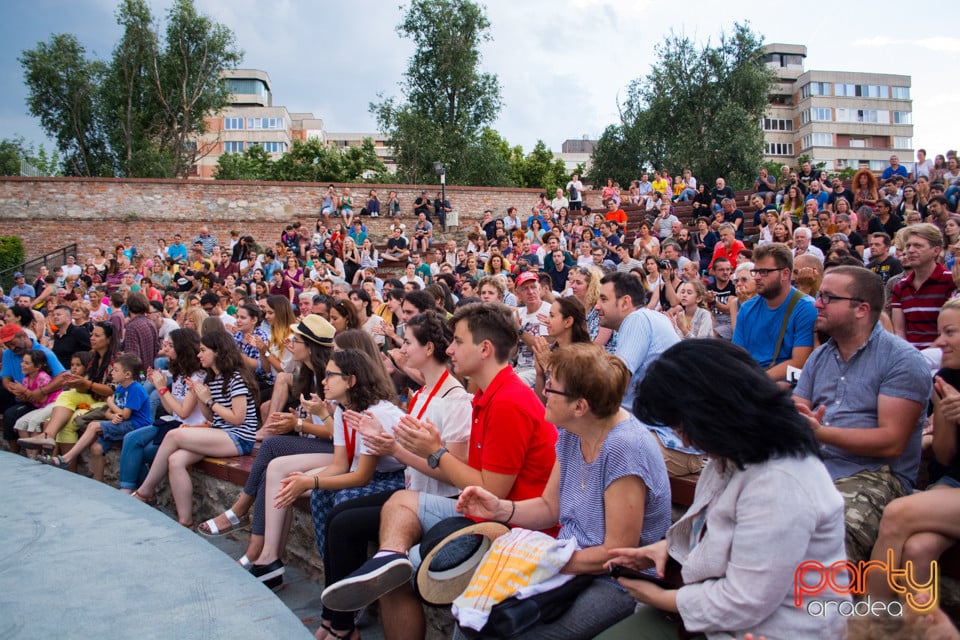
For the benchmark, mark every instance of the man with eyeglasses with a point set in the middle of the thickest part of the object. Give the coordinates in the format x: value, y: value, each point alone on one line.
x: 863, y: 392
x: 776, y: 327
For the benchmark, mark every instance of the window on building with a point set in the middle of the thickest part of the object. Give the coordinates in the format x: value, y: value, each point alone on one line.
x: 778, y: 148
x: 817, y: 140
x: 777, y: 124
x: 266, y: 123
x: 901, y: 93
x: 820, y: 114
x: 232, y: 146
x: 858, y: 143
x: 902, y: 142
x: 233, y: 123
x: 861, y: 90
x: 816, y: 89
x: 902, y: 117
x: 870, y: 116
x: 270, y: 147
x: 247, y: 87
x: 878, y: 165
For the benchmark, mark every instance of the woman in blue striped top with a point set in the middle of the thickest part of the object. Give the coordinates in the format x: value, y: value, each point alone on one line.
x: 229, y: 403
x: 605, y: 458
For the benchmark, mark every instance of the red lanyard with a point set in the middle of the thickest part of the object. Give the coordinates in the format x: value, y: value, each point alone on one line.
x: 433, y: 392
x: 350, y: 436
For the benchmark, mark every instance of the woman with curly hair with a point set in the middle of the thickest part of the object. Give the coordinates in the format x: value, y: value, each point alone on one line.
x: 865, y: 189
x: 497, y: 265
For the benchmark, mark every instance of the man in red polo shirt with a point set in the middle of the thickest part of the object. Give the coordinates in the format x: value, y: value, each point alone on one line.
x: 728, y: 247
x: 511, y: 455
x: 917, y: 298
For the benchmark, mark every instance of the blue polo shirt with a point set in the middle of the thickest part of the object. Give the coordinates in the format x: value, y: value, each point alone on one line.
x: 11, y: 363
x: 758, y: 328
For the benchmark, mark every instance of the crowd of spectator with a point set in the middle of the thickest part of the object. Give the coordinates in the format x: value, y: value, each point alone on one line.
x: 786, y: 355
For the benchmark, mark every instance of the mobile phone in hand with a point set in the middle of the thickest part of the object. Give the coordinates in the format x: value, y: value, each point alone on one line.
x: 619, y: 571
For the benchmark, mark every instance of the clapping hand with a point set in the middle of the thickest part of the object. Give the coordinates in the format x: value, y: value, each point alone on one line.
x: 419, y: 437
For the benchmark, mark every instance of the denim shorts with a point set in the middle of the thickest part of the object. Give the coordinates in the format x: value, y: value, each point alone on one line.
x: 243, y: 446
x: 948, y: 481
x: 431, y: 509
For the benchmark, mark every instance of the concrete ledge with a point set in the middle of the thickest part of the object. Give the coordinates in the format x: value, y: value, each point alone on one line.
x: 84, y: 560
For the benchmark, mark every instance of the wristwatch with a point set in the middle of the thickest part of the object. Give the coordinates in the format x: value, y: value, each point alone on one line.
x: 433, y: 460
x: 210, y: 403
x: 299, y: 426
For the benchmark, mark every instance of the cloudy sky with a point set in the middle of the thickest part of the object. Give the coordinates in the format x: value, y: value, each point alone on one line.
x: 563, y: 64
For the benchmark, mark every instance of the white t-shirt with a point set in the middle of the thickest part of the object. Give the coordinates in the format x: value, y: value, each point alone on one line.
x: 451, y: 411
x: 533, y: 326
x: 389, y: 416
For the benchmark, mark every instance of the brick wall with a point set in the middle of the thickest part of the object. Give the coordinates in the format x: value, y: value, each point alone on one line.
x: 48, y: 213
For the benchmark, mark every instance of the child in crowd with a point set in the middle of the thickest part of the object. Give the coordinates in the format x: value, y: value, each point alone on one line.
x: 692, y: 320
x: 127, y: 409
x: 36, y: 374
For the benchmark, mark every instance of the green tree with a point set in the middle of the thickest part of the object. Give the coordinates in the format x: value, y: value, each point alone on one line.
x: 12, y: 151
x: 63, y: 86
x: 489, y: 161
x: 538, y: 169
x: 138, y: 114
x: 447, y: 99
x: 128, y: 99
x: 618, y: 155
x: 310, y: 161
x: 11, y: 255
x: 188, y: 81
x: 699, y: 108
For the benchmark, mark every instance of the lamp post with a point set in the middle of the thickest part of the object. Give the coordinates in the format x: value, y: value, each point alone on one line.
x: 441, y: 170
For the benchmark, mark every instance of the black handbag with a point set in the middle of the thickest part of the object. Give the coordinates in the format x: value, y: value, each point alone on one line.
x: 512, y: 617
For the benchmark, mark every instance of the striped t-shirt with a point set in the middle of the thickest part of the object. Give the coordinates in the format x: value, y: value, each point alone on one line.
x: 921, y: 307
x: 629, y: 449
x: 236, y: 387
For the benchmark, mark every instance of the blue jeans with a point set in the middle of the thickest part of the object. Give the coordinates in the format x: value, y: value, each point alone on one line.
x: 135, y: 457
x: 951, y: 195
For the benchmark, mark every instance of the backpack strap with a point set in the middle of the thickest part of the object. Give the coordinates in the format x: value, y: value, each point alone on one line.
x: 794, y: 299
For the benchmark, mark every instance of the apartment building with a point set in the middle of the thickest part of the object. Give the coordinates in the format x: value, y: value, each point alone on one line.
x: 252, y: 119
x: 840, y: 118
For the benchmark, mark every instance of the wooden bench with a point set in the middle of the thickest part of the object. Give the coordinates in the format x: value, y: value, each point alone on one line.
x: 236, y: 470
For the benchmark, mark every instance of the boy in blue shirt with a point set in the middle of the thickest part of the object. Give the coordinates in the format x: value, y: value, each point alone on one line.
x: 126, y: 410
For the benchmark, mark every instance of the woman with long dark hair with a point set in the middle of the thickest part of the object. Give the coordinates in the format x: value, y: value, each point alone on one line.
x: 296, y: 440
x: 764, y: 504
x: 81, y: 393
x: 566, y: 324
x: 228, y: 402
x: 178, y: 400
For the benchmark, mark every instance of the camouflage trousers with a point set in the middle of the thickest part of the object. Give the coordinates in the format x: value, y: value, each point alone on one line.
x: 865, y: 495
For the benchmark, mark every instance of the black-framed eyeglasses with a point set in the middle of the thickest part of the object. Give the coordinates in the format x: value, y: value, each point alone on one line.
x: 827, y: 298
x: 340, y: 374
x: 763, y: 273
x: 548, y: 389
